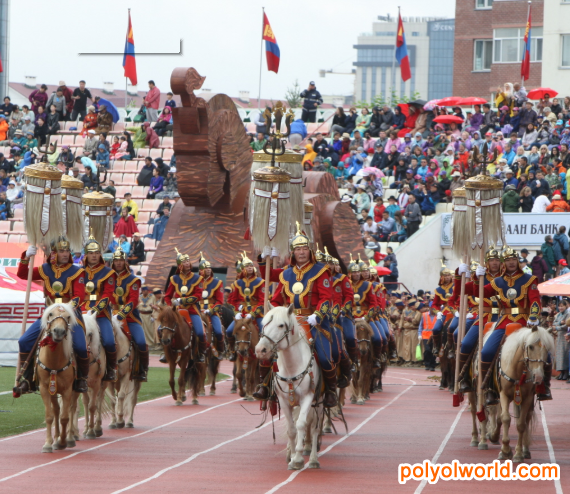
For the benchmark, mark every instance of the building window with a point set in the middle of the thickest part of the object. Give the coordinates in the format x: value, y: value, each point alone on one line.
x: 483, y: 4
x: 566, y: 49
x: 373, y: 87
x: 483, y: 55
x: 363, y: 89
x: 415, y: 33
x: 375, y: 54
x: 509, y: 45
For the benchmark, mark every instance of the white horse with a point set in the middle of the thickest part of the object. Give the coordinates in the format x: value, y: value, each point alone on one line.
x: 295, y: 382
x: 124, y: 392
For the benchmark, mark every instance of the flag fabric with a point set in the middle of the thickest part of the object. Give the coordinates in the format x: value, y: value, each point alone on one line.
x: 271, y: 48
x: 129, y: 63
x: 525, y: 65
x: 402, y: 52
x: 1, y: 67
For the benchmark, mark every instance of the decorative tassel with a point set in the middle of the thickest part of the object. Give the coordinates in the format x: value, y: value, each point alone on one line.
x: 460, y: 239
x: 72, y: 190
x: 98, y: 215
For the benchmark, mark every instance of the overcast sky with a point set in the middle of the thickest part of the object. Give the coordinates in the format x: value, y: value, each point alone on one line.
x: 222, y: 40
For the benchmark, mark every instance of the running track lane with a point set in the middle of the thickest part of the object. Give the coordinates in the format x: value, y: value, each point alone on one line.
x: 399, y: 425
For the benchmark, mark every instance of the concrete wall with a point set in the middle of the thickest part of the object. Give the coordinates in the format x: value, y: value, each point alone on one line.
x: 556, y: 23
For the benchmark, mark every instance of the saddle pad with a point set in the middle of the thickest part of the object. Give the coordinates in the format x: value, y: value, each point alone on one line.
x: 126, y: 330
x: 512, y: 327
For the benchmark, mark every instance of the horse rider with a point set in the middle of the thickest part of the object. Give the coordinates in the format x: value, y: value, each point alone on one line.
x: 247, y: 298
x: 363, y: 308
x: 99, y: 287
x: 443, y: 294
x: 60, y: 269
x: 184, y: 288
x: 493, y: 263
x: 125, y: 302
x: 212, y: 301
x: 341, y: 281
x: 519, y: 301
x: 380, y: 293
x: 306, y: 284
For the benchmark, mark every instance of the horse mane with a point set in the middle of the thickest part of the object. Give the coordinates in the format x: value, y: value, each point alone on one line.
x: 283, y: 312
x: 92, y: 330
x: 525, y: 337
x: 364, y: 325
x: 68, y: 308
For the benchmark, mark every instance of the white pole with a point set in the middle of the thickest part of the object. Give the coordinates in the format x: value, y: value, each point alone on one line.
x: 393, y: 88
x: 260, y: 58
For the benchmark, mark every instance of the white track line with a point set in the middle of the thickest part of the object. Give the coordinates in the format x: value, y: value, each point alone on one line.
x: 423, y: 483
x: 116, y: 441
x: 191, y: 458
x: 83, y: 418
x: 352, y: 432
x: 557, y: 484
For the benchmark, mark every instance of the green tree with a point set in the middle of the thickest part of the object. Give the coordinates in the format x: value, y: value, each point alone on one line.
x: 293, y: 95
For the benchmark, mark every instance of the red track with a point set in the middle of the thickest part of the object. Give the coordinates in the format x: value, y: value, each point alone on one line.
x: 215, y: 447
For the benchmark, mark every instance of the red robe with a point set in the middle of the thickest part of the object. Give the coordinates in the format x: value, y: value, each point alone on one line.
x: 125, y: 227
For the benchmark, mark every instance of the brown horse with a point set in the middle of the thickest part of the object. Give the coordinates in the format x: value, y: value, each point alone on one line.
x: 55, y: 373
x: 246, y: 334
x: 176, y: 338
x: 446, y: 364
x: 212, y: 362
x: 363, y: 375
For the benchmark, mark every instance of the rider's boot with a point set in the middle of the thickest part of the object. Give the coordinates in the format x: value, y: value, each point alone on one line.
x: 80, y: 383
x: 436, y: 338
x: 465, y: 386
x: 143, y: 366
x: 546, y: 381
x: 202, y: 349
x: 26, y: 383
x: 377, y: 350
x: 491, y: 396
x: 111, y: 371
x: 329, y: 400
x: 262, y: 391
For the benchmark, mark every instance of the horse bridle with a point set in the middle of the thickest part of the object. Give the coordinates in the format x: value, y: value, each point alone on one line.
x: 173, y: 330
x: 48, y: 329
x: 275, y: 343
x: 526, y: 361
x: 48, y: 333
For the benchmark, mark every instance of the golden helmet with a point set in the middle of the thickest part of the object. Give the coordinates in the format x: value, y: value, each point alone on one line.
x: 335, y: 261
x: 239, y: 266
x: 299, y: 240
x: 61, y: 243
x: 493, y: 253
x: 509, y: 253
x: 445, y: 271
x: 353, y: 266
x: 181, y: 258
x: 92, y: 245
x: 120, y: 254
x: 328, y: 258
x: 319, y: 255
x: 203, y: 264
x: 246, y: 261
x: 362, y: 264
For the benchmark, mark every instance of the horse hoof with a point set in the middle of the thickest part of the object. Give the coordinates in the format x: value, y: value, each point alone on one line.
x: 314, y: 464
x: 76, y: 437
x: 327, y: 430
x: 201, y: 393
x: 90, y: 435
x: 483, y: 446
x: 194, y: 401
x: 47, y: 449
x: 178, y: 403
x: 492, y: 440
x: 506, y: 456
x: 526, y: 454
x: 242, y: 393
x: 233, y: 390
x: 250, y: 398
x: 518, y: 459
x: 442, y: 388
x: 129, y: 425
x: 295, y: 465
x: 360, y: 402
x: 120, y: 425
x: 57, y: 445
x: 71, y: 443
x: 212, y: 393
x: 306, y: 452
x: 474, y: 443
x: 113, y: 426
x: 98, y: 432
x: 184, y: 397
x: 353, y: 401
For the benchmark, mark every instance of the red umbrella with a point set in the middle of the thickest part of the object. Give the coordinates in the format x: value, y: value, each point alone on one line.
x: 447, y: 119
x: 449, y: 101
x: 382, y: 271
x: 539, y: 93
x: 472, y: 100
x: 405, y: 108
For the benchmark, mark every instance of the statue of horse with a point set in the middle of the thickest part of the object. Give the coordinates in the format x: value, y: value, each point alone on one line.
x: 363, y: 375
x: 522, y: 358
x: 124, y: 392
x: 54, y: 370
x: 246, y: 334
x: 176, y: 339
x: 297, y: 383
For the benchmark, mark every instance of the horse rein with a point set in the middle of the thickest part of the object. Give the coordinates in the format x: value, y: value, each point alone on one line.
x: 48, y: 333
x: 173, y: 330
x: 285, y: 336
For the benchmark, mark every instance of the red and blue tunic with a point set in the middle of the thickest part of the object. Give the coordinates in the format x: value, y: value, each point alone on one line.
x: 191, y: 299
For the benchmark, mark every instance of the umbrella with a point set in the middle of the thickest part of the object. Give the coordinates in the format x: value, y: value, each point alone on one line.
x: 430, y: 105
x: 539, y: 93
x: 555, y: 286
x: 372, y: 170
x: 418, y: 102
x: 447, y: 119
x: 405, y: 108
x: 111, y: 108
x: 472, y: 100
x: 382, y: 271
x: 449, y: 101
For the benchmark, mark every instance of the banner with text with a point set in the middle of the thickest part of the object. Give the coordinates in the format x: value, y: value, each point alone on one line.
x: 522, y: 229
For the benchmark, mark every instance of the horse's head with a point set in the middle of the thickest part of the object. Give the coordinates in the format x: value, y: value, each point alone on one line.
x: 57, y: 319
x: 537, y: 344
x: 243, y: 333
x: 364, y: 335
x: 278, y: 324
x: 167, y: 324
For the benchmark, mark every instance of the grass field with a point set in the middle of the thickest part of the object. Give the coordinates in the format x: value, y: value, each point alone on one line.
x: 27, y: 412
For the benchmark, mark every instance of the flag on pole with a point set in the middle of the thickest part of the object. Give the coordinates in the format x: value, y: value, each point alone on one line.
x: 525, y: 65
x: 402, y: 51
x: 129, y: 62
x: 271, y: 48
x: 1, y: 67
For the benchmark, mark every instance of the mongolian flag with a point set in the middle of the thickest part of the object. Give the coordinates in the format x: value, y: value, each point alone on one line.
x: 402, y: 52
x: 525, y: 65
x: 129, y: 62
x: 1, y: 67
x: 271, y: 47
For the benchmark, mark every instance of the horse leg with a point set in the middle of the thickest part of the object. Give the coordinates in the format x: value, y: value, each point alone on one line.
x: 46, y: 397
x: 475, y: 429
x: 234, y: 382
x: 291, y: 431
x: 301, y: 425
x: 90, y: 417
x: 181, y: 382
x: 527, y: 433
x: 111, y: 393
x: 522, y: 428
x: 239, y: 376
x: 495, y: 427
x: 66, y: 397
x: 132, y: 403
x: 56, y: 412
x: 98, y: 420
x: 315, y: 434
x: 172, y: 368
x: 506, y: 451
x: 213, y: 367
x: 121, y: 400
x: 73, y: 430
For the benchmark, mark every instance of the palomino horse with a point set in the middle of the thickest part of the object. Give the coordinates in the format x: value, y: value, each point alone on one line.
x: 124, y: 392
x: 176, y: 339
x: 246, y: 334
x: 295, y: 381
x: 55, y: 372
x: 363, y: 374
x: 94, y: 399
x: 521, y: 365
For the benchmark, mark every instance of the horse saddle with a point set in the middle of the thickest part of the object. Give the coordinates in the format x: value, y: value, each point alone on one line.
x: 510, y: 329
x: 186, y: 315
x: 126, y: 330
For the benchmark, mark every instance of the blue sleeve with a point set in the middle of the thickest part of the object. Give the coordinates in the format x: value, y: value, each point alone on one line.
x: 421, y: 327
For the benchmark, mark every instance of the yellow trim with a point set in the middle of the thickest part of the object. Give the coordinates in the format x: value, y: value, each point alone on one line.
x: 184, y: 280
x: 524, y: 289
x: 308, y: 286
x: 247, y: 285
x: 300, y: 273
x: 70, y: 279
x: 338, y: 280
